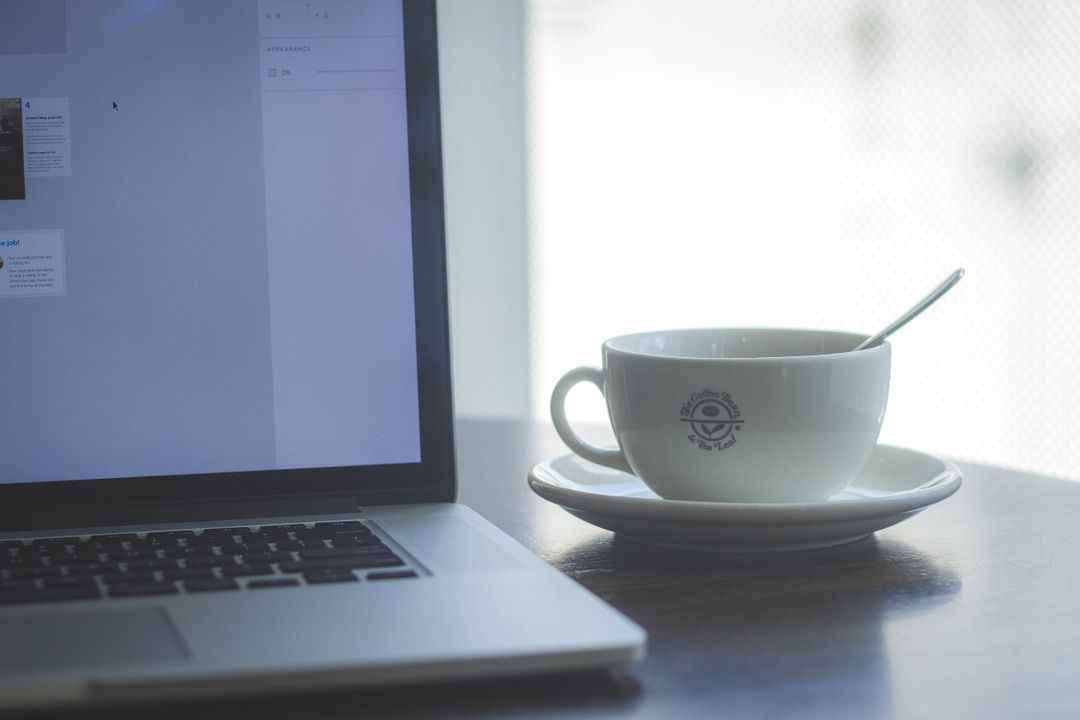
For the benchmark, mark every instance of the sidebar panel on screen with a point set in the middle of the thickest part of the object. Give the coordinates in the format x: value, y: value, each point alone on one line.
x: 339, y: 234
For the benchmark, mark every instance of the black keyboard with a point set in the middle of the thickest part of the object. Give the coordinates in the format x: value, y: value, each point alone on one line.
x: 126, y: 565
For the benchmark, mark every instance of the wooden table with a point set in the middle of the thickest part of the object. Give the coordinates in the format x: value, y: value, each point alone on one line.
x: 970, y: 610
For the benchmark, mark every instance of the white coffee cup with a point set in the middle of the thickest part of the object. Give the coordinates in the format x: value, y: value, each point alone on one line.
x: 736, y: 415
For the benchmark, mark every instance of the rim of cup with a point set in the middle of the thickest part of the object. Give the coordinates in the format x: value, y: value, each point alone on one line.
x: 846, y: 342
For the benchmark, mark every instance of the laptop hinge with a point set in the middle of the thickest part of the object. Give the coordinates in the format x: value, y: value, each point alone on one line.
x: 199, y: 511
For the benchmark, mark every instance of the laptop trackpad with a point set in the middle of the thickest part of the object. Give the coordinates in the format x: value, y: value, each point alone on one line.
x: 65, y: 640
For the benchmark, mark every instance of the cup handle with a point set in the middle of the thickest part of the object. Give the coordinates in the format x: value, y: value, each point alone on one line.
x: 609, y: 457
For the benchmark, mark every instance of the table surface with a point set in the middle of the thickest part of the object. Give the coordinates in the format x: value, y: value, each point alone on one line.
x: 970, y: 609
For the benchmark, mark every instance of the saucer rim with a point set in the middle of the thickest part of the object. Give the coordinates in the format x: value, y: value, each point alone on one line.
x: 937, y: 488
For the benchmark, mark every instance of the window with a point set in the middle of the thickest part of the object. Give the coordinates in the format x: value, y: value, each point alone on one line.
x: 761, y: 162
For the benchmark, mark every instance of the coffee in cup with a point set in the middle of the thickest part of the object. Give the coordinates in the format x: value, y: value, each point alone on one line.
x: 736, y: 415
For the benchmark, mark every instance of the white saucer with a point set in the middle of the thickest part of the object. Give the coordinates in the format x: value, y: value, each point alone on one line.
x: 894, y: 485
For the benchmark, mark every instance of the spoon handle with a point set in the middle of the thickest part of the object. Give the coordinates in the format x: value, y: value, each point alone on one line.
x: 919, y: 307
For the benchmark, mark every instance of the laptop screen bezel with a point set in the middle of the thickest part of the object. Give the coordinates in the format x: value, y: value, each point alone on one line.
x: 430, y: 480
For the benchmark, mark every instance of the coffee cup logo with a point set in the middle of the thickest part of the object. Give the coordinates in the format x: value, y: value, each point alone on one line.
x: 713, y: 419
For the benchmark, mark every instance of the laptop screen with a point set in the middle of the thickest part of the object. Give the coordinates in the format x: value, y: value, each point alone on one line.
x: 206, y: 238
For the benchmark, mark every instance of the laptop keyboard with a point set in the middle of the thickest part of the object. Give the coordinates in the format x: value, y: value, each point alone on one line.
x: 128, y: 565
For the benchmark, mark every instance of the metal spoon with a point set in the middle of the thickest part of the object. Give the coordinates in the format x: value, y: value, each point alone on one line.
x: 910, y: 314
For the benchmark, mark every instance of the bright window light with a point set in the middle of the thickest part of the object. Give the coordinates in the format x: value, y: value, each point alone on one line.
x: 821, y: 164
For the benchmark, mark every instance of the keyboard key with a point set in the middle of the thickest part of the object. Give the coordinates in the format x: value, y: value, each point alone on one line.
x: 8, y: 585
x: 140, y: 589
x: 24, y: 561
x: 33, y: 571
x: 355, y: 540
x: 286, y: 527
x: 201, y: 543
x: 114, y: 537
x: 267, y: 557
x: 253, y: 547
x: 329, y: 576
x: 79, y: 592
x: 53, y: 545
x: 337, y: 525
x: 209, y: 561
x: 178, y: 553
x: 210, y: 585
x: 209, y: 539
x: 169, y: 534
x: 360, y: 561
x: 391, y: 575
x: 101, y: 545
x: 67, y: 558
x: 244, y: 570
x: 290, y: 545
x: 91, y: 569
x: 232, y: 548
x: 152, y: 564
x: 166, y: 544
x: 338, y: 532
x: 60, y: 583
x: 125, y: 578
x: 273, y: 583
x: 188, y: 573
x: 146, y: 546
x: 123, y: 555
x: 301, y: 544
x: 312, y: 553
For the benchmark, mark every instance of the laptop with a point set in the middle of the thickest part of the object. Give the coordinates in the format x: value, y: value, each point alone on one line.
x: 227, y: 456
